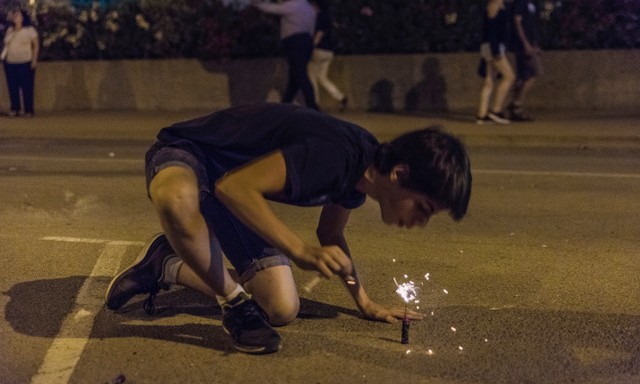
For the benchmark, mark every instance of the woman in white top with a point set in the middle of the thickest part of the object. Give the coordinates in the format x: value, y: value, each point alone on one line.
x: 20, y: 57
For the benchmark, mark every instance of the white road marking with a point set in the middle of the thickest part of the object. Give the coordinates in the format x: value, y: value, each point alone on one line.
x: 485, y: 171
x: 90, y: 241
x: 556, y: 173
x: 67, y: 347
x: 73, y: 159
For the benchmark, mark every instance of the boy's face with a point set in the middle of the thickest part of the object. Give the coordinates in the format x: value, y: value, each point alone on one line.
x: 406, y: 208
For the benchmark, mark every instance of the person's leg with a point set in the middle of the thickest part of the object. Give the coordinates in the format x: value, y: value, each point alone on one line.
x: 192, y: 220
x: 328, y: 85
x: 313, y: 70
x: 292, y: 83
x: 306, y: 49
x: 10, y: 71
x: 28, y: 85
x: 504, y: 85
x: 300, y: 48
x: 485, y: 95
x: 274, y: 289
x: 521, y: 90
x: 175, y: 193
x: 528, y: 69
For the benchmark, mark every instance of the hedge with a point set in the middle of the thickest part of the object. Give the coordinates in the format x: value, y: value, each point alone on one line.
x: 209, y: 29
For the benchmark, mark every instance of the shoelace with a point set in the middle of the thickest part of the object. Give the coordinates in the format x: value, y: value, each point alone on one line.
x: 148, y: 305
x: 248, y: 316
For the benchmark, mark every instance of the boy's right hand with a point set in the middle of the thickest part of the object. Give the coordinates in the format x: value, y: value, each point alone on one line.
x: 328, y: 260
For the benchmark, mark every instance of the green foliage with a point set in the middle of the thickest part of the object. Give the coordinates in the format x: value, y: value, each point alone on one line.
x: 591, y: 24
x: 208, y: 30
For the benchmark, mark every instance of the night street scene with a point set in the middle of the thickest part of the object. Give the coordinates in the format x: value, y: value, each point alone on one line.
x: 320, y: 191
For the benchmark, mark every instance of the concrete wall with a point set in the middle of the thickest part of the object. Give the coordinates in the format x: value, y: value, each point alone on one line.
x: 600, y: 80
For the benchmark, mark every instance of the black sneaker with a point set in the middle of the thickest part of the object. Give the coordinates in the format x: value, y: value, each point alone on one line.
x: 247, y: 325
x: 516, y: 113
x: 343, y: 104
x: 145, y: 275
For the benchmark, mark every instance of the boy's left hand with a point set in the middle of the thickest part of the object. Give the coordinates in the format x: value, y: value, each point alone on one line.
x: 377, y: 312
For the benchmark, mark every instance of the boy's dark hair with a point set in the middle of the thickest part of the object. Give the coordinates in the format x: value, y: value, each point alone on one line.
x: 438, y: 165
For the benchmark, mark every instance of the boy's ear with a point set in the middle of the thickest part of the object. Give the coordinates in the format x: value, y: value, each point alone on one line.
x: 399, y: 173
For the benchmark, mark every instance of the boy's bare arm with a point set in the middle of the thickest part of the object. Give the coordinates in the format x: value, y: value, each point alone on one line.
x: 244, y: 192
x: 333, y: 220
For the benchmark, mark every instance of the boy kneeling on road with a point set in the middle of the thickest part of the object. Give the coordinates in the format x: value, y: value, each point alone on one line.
x: 210, y: 180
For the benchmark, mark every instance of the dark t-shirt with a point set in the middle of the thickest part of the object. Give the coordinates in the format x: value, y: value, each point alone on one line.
x: 495, y: 31
x: 325, y: 157
x: 527, y: 10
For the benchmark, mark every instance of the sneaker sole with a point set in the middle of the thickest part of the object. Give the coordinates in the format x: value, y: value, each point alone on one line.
x: 252, y: 349
x: 499, y: 120
x: 139, y: 260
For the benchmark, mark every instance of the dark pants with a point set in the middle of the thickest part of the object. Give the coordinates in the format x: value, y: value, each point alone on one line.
x: 298, y: 49
x: 20, y: 77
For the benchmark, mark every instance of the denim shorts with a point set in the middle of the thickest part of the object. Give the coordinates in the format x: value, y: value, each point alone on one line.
x: 247, y: 252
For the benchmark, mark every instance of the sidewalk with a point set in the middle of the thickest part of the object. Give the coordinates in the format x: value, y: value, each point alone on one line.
x: 572, y: 130
x: 575, y: 130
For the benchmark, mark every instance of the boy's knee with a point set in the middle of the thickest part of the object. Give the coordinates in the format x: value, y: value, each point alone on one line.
x: 282, y: 314
x: 176, y: 203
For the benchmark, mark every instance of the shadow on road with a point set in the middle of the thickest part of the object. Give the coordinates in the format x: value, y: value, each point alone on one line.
x: 498, y: 346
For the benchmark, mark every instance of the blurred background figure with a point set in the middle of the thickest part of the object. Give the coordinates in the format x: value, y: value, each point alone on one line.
x: 20, y: 58
x: 297, y: 26
x: 323, y: 55
x: 494, y: 62
x: 527, y: 51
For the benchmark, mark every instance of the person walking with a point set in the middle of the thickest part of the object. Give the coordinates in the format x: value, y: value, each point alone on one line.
x: 527, y: 51
x: 20, y: 58
x: 210, y: 181
x: 323, y: 55
x: 494, y: 62
x: 297, y: 25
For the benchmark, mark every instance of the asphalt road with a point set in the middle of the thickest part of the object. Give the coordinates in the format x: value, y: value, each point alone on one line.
x: 539, y: 284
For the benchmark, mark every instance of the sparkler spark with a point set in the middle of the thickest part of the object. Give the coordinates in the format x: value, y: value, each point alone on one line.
x: 408, y: 291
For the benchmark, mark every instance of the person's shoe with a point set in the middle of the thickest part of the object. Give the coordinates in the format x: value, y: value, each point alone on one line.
x: 12, y: 114
x: 516, y: 113
x: 144, y: 276
x: 498, y: 118
x: 247, y: 325
x: 483, y: 120
x: 343, y: 104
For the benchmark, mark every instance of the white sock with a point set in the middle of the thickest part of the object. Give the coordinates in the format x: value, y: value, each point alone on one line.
x: 171, y: 267
x: 224, y: 299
